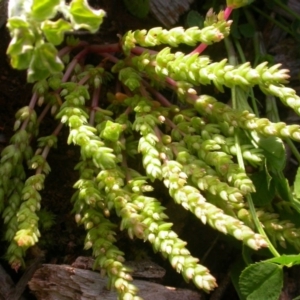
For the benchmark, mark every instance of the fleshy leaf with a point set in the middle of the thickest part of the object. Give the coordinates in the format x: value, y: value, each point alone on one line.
x: 20, y: 48
x: 262, y: 280
x: 44, y: 9
x: 83, y: 16
x: 54, y: 31
x: 22, y: 61
x: 112, y: 131
x: 16, y: 23
x: 44, y: 63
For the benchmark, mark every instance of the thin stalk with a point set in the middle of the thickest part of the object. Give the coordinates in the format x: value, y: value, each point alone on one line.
x: 31, y: 106
x: 73, y: 64
x: 279, y: 24
x: 160, y: 97
x: 272, y: 109
x: 233, y: 60
x: 293, y: 149
x: 243, y: 60
x: 248, y: 197
x: 95, y: 100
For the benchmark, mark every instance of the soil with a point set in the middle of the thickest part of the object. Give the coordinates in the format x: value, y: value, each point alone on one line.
x: 64, y: 242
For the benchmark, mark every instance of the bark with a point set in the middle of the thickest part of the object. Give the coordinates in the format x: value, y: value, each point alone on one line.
x: 63, y: 282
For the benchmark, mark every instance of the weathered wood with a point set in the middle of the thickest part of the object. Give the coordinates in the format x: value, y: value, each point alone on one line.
x: 6, y: 284
x: 10, y: 291
x: 169, y: 11
x: 63, y: 282
x: 140, y: 269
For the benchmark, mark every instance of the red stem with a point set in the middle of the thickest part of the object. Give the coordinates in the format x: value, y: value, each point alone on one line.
x: 73, y: 63
x: 202, y: 46
x: 94, y: 104
x: 109, y: 48
x: 227, y: 12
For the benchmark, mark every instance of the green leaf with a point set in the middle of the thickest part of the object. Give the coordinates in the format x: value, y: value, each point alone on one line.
x: 274, y: 152
x: 262, y: 280
x: 44, y: 62
x: 22, y: 43
x: 83, y: 16
x: 22, y: 61
x: 286, y: 260
x: 112, y: 131
x: 297, y: 184
x: 20, y: 48
x: 284, y: 190
x: 104, y: 160
x: 17, y: 23
x: 247, y: 30
x: 194, y: 19
x: 44, y: 9
x: 138, y: 8
x: 264, y: 186
x: 235, y: 271
x: 54, y: 31
x: 282, y: 187
x: 234, y: 31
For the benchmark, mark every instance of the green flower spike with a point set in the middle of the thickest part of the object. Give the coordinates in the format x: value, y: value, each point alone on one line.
x: 178, y: 35
x: 209, y: 106
x: 190, y: 198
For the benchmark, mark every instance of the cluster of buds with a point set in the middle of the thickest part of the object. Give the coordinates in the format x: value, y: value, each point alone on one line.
x: 225, y: 166
x: 279, y: 231
x: 190, y: 198
x: 199, y: 70
x: 146, y: 122
x: 205, y: 178
x: 287, y: 95
x: 143, y: 217
x: 12, y: 171
x: 210, y: 107
x: 100, y: 178
x: 28, y: 232
x: 92, y: 206
x: 21, y: 216
x: 199, y: 150
x: 212, y: 33
x: 101, y: 238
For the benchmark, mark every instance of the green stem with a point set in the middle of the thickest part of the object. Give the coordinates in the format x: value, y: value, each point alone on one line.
x: 243, y: 60
x: 248, y: 197
x: 273, y: 114
x: 271, y: 109
x: 258, y: 225
x: 293, y: 149
x: 279, y: 24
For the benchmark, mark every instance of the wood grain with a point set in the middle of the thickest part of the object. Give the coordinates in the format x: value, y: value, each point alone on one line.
x: 63, y: 282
